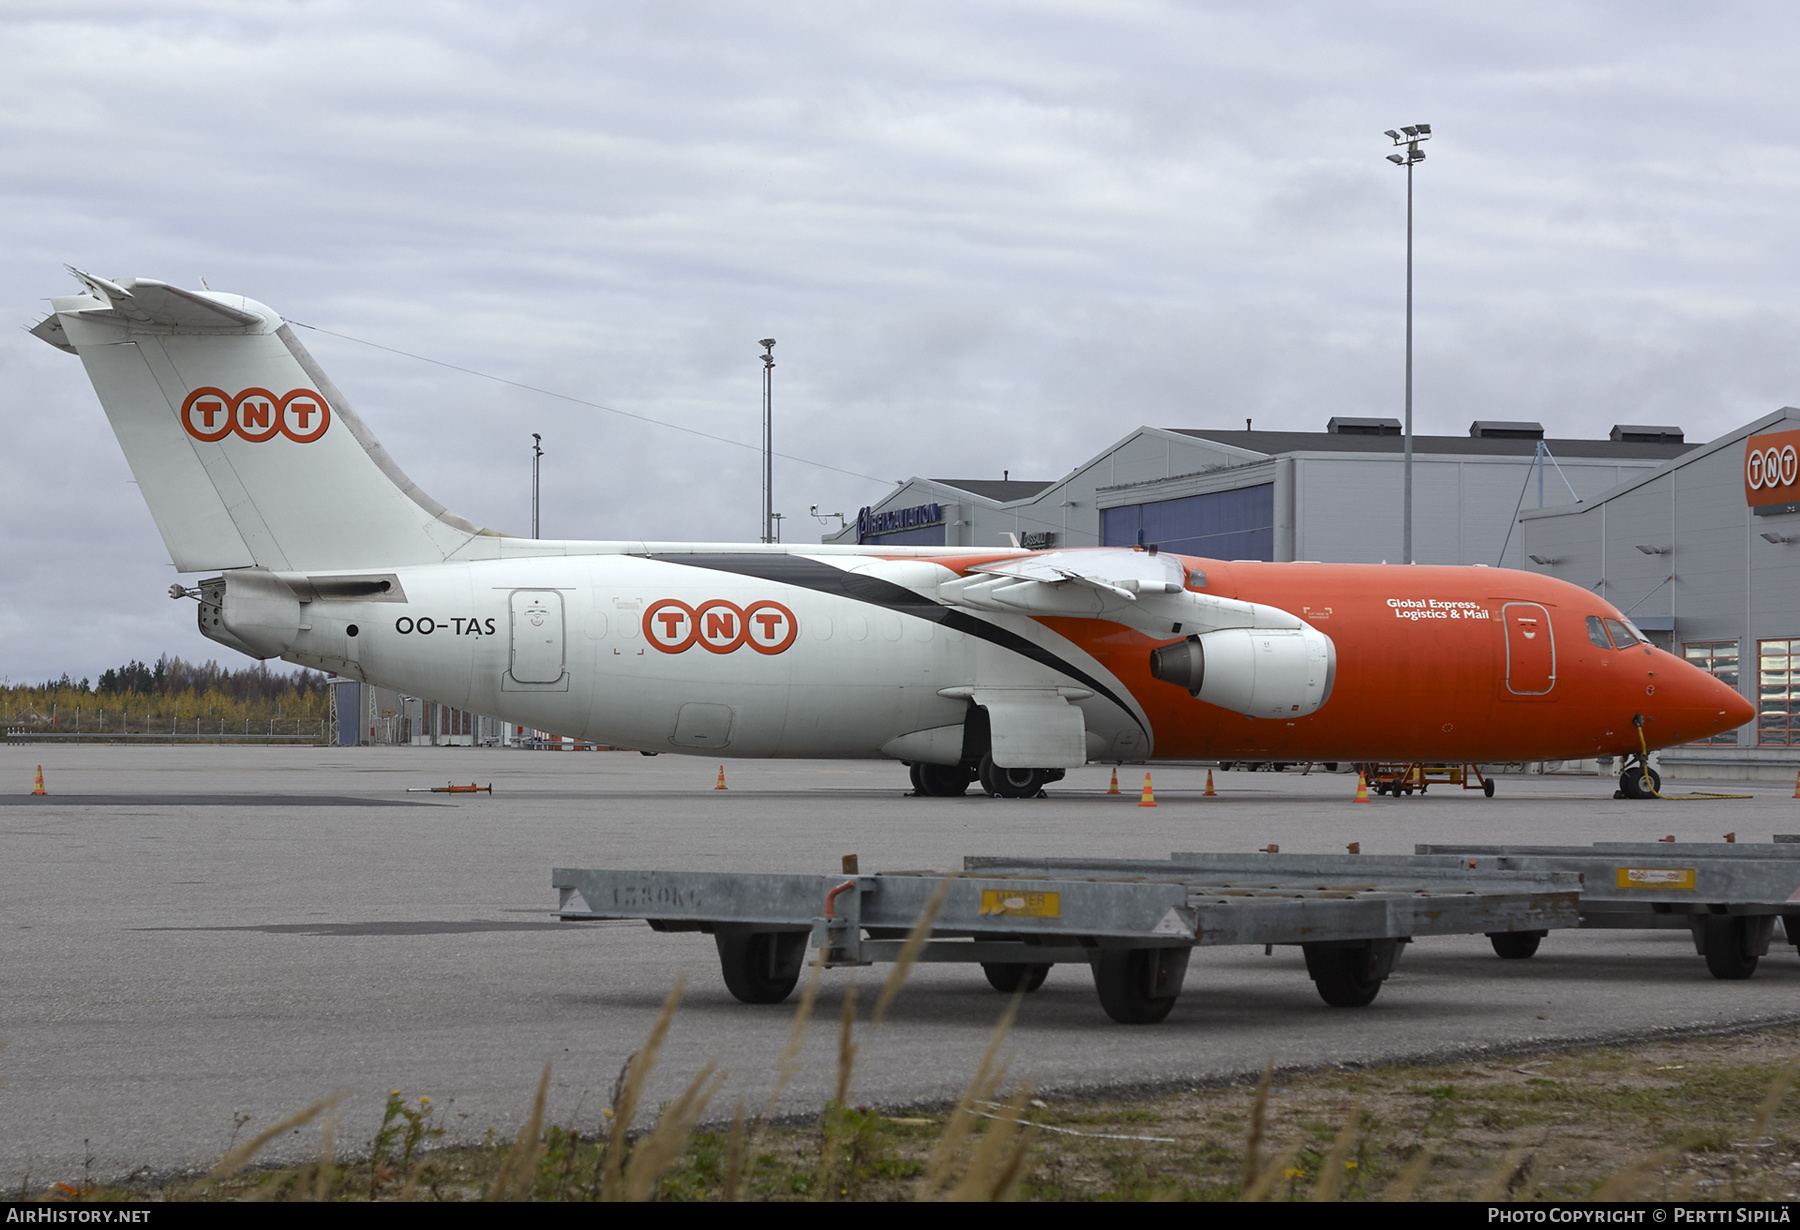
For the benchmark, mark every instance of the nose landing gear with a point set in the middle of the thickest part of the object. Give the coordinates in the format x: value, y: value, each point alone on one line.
x: 1639, y: 781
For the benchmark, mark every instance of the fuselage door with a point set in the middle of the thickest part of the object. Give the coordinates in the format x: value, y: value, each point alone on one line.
x: 1530, y: 649
x: 537, y: 636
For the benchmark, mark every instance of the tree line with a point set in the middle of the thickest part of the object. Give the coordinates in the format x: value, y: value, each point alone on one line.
x: 174, y: 675
x: 172, y: 696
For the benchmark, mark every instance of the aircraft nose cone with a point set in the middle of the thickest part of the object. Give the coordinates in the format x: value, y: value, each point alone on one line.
x: 1737, y: 710
x: 1699, y: 700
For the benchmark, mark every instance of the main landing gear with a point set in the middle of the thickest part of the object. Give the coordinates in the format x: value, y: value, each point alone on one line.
x: 943, y: 781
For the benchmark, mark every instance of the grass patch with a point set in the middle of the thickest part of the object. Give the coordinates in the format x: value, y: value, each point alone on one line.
x: 1698, y: 1119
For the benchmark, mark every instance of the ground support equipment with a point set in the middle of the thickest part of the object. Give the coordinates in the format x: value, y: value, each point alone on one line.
x: 1728, y: 894
x: 1133, y: 922
x: 1397, y: 779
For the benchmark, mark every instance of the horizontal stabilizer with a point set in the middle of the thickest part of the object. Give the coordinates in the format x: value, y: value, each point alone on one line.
x: 145, y: 301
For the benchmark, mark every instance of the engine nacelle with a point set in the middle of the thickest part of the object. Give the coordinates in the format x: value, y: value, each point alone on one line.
x: 1261, y: 672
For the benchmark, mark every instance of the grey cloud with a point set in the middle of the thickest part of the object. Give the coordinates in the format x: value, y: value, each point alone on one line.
x: 987, y: 236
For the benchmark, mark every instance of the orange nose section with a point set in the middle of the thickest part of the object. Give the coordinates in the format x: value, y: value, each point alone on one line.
x: 1737, y: 710
x: 1710, y: 706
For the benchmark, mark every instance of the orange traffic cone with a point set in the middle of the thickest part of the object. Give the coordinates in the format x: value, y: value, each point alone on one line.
x: 1210, y: 792
x: 1797, y: 785
x: 1362, y: 788
x: 1149, y: 798
x: 721, y: 784
x: 1114, y: 788
x: 39, y: 788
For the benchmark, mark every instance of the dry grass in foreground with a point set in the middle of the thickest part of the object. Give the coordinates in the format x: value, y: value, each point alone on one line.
x: 1705, y: 1118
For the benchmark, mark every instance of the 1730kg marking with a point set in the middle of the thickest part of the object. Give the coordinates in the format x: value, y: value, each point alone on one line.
x: 643, y: 896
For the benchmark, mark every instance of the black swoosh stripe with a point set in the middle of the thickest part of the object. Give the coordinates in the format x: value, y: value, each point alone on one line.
x: 810, y: 574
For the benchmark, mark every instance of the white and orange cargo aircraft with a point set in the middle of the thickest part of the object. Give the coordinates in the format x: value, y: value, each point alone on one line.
x: 1004, y: 666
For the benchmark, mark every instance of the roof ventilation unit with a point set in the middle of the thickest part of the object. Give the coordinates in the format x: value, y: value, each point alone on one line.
x: 1637, y: 433
x: 1342, y: 426
x: 1494, y: 429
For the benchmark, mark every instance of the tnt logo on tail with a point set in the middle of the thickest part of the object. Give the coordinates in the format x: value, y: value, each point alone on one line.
x: 255, y: 415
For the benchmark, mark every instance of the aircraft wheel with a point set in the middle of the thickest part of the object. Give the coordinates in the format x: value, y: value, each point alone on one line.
x: 1331, y: 766
x: 1631, y: 783
x: 1010, y: 783
x: 1725, y: 939
x: 1515, y: 945
x: 1225, y: 766
x: 1123, y: 977
x: 1009, y: 977
x: 1487, y: 787
x: 760, y: 967
x: 941, y: 781
x: 912, y: 771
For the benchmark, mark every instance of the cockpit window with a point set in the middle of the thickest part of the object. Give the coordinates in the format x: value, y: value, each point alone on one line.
x: 1597, y: 632
x: 1621, y: 635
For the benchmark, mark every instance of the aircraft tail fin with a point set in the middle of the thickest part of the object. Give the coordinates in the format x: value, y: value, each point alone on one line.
x: 245, y: 451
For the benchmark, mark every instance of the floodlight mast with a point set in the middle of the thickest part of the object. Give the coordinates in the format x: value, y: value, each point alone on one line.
x: 537, y: 451
x: 1414, y: 135
x: 768, y: 441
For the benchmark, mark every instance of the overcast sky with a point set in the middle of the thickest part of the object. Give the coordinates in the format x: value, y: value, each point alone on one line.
x: 987, y: 237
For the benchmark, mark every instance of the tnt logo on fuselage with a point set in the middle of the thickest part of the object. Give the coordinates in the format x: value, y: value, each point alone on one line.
x: 255, y: 415
x: 719, y: 626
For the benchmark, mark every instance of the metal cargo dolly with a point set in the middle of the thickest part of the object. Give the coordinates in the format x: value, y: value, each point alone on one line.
x: 1133, y: 922
x: 1728, y: 894
x: 1403, y: 778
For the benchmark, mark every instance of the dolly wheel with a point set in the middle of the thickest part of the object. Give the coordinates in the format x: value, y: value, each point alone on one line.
x: 1515, y: 945
x: 1123, y: 976
x: 1726, y: 940
x: 760, y: 967
x: 1347, y: 975
x: 1009, y: 976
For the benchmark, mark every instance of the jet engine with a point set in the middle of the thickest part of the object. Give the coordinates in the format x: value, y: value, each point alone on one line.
x: 1261, y: 672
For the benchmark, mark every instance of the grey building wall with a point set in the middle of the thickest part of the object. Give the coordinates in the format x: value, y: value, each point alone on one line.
x: 1709, y: 575
x: 1330, y: 505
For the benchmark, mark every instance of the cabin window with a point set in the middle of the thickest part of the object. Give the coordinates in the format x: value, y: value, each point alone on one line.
x: 1597, y: 632
x: 1778, y: 693
x: 1621, y: 635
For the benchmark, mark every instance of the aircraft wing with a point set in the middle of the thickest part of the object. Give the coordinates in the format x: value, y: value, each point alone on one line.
x: 1136, y: 588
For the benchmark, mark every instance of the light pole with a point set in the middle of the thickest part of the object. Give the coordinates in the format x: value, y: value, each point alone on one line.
x: 768, y: 475
x: 537, y: 450
x: 1412, y: 138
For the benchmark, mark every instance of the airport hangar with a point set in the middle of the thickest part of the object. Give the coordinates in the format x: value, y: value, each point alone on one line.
x: 1668, y: 531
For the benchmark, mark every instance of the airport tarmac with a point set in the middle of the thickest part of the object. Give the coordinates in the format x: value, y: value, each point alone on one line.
x: 195, y: 933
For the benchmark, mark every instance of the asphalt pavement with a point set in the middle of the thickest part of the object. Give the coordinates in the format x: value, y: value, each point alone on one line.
x: 198, y: 934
